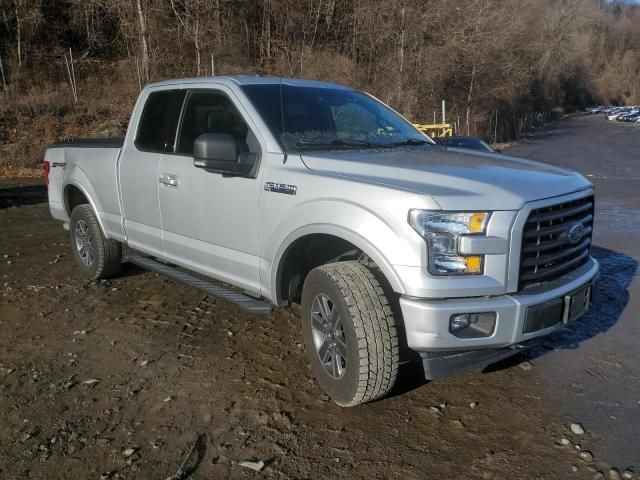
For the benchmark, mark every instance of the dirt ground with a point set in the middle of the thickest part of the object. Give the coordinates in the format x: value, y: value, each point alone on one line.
x: 119, y: 379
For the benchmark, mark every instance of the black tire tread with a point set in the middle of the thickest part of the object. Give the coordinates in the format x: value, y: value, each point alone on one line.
x: 108, y: 251
x: 374, y: 322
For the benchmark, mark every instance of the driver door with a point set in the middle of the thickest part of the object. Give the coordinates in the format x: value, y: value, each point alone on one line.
x: 210, y: 221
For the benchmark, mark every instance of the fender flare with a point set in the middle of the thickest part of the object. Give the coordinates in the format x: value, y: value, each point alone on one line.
x: 340, y: 232
x: 74, y: 183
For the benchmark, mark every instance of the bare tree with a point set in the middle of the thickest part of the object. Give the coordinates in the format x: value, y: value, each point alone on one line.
x: 144, y: 42
x: 500, y: 64
x: 4, y: 80
x: 26, y: 19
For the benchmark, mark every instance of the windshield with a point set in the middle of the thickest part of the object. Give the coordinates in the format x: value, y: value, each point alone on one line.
x: 318, y: 118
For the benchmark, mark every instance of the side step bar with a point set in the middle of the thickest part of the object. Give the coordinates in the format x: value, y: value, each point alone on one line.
x: 245, y: 302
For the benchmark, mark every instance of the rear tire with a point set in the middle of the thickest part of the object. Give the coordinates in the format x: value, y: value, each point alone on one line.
x: 349, y: 332
x: 98, y: 257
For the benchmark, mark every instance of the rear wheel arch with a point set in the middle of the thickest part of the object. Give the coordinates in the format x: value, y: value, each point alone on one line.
x: 74, y: 196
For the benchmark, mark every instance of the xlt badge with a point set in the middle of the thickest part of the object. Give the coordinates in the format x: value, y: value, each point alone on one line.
x: 280, y: 188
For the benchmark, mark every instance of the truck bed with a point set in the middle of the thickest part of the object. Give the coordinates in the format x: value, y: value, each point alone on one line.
x: 88, y: 166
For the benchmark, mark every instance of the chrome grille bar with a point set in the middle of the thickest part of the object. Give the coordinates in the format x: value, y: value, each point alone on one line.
x: 548, y: 252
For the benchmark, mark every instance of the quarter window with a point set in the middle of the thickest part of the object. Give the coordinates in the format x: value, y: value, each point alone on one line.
x: 159, y: 121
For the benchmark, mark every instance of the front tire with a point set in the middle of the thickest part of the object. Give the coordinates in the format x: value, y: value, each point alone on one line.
x: 349, y: 332
x: 97, y: 256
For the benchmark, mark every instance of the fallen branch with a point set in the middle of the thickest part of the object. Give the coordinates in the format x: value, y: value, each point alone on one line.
x: 193, y: 459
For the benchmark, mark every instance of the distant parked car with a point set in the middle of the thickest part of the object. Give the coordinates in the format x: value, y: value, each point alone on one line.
x: 472, y: 143
x: 629, y: 116
x: 625, y: 114
x: 614, y: 115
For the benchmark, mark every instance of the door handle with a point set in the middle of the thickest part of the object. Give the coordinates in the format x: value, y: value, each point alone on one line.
x: 169, y: 180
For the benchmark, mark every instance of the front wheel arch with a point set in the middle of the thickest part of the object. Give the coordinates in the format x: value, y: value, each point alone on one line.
x: 341, y: 243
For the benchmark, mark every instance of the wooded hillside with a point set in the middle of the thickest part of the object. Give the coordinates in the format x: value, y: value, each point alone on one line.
x: 515, y: 57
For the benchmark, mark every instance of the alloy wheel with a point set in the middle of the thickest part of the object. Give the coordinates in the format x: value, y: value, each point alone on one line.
x: 328, y: 335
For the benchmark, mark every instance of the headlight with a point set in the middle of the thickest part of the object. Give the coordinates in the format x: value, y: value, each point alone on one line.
x: 442, y: 230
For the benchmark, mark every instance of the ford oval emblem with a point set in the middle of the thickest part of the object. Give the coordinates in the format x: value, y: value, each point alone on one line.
x: 575, y: 233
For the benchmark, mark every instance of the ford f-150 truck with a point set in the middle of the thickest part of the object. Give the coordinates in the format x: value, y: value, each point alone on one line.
x: 287, y: 190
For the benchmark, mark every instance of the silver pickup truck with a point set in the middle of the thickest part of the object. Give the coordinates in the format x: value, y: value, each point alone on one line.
x: 288, y: 191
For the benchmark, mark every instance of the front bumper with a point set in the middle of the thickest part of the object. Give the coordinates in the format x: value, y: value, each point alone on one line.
x: 426, y: 322
x: 444, y: 364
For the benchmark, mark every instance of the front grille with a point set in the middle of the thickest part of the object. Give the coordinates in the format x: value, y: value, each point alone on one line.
x: 547, y: 251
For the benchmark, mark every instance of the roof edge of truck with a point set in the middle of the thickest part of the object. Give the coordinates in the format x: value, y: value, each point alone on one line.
x: 88, y: 142
x: 249, y: 80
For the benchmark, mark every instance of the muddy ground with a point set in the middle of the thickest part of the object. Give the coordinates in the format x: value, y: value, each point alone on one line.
x: 118, y: 379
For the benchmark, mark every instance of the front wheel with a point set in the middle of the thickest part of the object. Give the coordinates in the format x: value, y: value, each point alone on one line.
x: 349, y: 332
x: 98, y: 257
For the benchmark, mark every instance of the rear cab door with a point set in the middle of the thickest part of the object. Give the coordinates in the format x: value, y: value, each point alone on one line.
x: 153, y: 128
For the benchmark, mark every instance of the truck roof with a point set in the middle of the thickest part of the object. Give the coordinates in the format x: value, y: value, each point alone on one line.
x: 250, y: 80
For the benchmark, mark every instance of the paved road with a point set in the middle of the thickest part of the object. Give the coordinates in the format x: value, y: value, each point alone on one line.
x: 594, y: 377
x: 89, y: 370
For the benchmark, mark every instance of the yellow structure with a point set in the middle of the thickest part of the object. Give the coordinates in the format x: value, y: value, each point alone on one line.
x: 435, y: 130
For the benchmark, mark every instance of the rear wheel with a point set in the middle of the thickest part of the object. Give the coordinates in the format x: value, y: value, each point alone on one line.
x: 98, y: 257
x: 350, y: 333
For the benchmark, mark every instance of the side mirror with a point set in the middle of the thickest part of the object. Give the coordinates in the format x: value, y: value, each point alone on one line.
x: 218, y: 152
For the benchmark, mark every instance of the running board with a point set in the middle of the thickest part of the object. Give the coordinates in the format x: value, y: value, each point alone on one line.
x: 245, y: 302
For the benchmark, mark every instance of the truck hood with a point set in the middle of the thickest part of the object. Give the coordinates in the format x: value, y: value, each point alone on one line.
x: 457, y: 179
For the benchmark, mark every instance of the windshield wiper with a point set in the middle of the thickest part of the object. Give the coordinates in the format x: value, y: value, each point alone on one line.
x: 342, y: 142
x: 351, y: 142
x: 411, y: 141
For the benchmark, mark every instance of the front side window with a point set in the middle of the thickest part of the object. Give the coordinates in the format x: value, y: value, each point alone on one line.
x: 210, y: 111
x: 159, y: 121
x: 320, y: 118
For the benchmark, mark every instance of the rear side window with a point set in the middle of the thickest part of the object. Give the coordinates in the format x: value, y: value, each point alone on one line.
x: 159, y: 121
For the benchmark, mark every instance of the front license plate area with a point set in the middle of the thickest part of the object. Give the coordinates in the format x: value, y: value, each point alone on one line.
x: 576, y: 304
x: 543, y: 315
